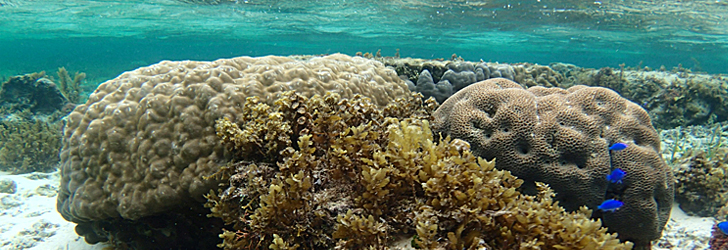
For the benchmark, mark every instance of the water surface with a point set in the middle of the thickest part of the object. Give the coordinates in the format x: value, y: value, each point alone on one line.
x: 105, y: 38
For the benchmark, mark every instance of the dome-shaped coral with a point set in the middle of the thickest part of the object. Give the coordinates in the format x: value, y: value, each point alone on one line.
x: 142, y: 143
x: 562, y: 137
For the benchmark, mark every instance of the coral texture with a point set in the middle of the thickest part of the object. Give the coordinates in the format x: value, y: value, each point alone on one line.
x: 702, y: 184
x: 349, y: 176
x: 426, y: 85
x: 561, y: 137
x: 143, y: 141
x: 440, y: 79
x: 672, y: 98
x: 676, y: 98
x: 537, y: 75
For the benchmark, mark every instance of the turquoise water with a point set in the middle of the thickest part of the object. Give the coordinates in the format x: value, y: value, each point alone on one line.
x: 105, y: 38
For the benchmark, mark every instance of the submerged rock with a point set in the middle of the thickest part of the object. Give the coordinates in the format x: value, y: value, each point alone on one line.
x: 32, y: 92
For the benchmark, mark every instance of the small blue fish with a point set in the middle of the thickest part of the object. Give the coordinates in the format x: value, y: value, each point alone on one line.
x: 610, y: 205
x: 618, y: 146
x: 616, y: 176
x: 723, y: 226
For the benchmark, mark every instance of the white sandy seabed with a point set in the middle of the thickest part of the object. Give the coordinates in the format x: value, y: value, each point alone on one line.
x: 29, y: 220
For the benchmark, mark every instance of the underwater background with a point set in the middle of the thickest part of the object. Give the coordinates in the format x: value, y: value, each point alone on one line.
x: 105, y: 38
x: 668, y: 57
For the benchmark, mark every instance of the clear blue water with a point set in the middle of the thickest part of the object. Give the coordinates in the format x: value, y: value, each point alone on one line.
x: 105, y: 38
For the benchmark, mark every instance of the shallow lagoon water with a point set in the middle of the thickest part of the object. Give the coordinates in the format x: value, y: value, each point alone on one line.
x: 106, y: 38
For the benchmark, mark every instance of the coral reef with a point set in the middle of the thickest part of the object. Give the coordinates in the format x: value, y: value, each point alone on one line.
x: 440, y: 79
x: 29, y: 145
x: 672, y: 98
x: 426, y: 85
x: 561, y: 137
x: 682, y: 142
x: 142, y: 142
x: 702, y: 183
x: 32, y: 92
x: 31, y: 107
x: 530, y: 75
x: 349, y: 176
x: 698, y: 156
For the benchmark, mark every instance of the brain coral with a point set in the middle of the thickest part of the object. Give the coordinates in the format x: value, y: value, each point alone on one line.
x: 143, y: 141
x: 561, y: 137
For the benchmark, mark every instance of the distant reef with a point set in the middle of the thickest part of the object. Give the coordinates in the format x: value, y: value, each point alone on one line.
x: 674, y: 97
x: 31, y: 108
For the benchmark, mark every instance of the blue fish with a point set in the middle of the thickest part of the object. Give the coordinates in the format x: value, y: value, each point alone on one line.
x: 616, y: 176
x: 723, y: 226
x: 610, y: 205
x: 618, y: 146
